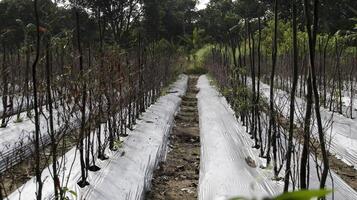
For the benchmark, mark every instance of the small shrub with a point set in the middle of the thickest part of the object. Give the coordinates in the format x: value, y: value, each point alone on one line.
x: 18, y: 120
x: 196, y: 70
x: 118, y: 144
x: 65, y: 190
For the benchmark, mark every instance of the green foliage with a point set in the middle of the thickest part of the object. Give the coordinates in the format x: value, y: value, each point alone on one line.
x: 296, y: 195
x: 225, y: 22
x: 168, y: 19
x: 164, y: 46
x: 335, y: 15
x: 18, y: 120
x: 194, y: 41
x: 242, y: 102
x: 303, y: 195
x: 118, y: 144
x: 345, y: 39
x: 197, y: 57
x: 239, y: 198
x: 284, y: 37
x: 17, y: 17
x: 66, y: 190
x: 218, y: 18
x: 196, y: 70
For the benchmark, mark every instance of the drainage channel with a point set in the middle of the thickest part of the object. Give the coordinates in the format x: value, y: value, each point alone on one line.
x: 177, y: 177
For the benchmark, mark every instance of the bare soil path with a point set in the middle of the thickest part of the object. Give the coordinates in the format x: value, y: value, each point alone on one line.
x: 177, y: 177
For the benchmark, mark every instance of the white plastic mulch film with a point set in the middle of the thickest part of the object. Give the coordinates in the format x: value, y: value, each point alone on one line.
x: 128, y: 172
x: 225, y: 146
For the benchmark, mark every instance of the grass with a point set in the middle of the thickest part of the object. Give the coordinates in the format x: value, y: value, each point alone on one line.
x: 18, y: 120
x: 196, y: 61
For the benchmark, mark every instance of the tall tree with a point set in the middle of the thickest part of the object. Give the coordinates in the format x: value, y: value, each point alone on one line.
x: 37, y: 121
x: 292, y: 100
x: 272, y: 122
x: 83, y: 182
x: 312, y: 28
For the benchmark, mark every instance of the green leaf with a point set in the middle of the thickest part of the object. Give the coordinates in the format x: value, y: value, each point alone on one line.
x: 118, y: 144
x: 238, y: 198
x: 65, y: 190
x: 73, y: 193
x: 303, y: 195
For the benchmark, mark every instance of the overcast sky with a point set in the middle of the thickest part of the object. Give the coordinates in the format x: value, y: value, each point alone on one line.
x: 202, y: 4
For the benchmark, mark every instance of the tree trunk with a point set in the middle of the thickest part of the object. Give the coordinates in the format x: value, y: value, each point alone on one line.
x: 5, y: 84
x: 83, y: 182
x: 272, y: 123
x: 35, y: 107
x: 258, y: 88
x: 324, y: 71
x: 312, y: 32
x: 292, y: 102
x: 51, y: 123
x: 306, y: 144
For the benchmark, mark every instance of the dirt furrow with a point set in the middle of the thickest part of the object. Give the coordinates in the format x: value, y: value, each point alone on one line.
x: 177, y: 177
